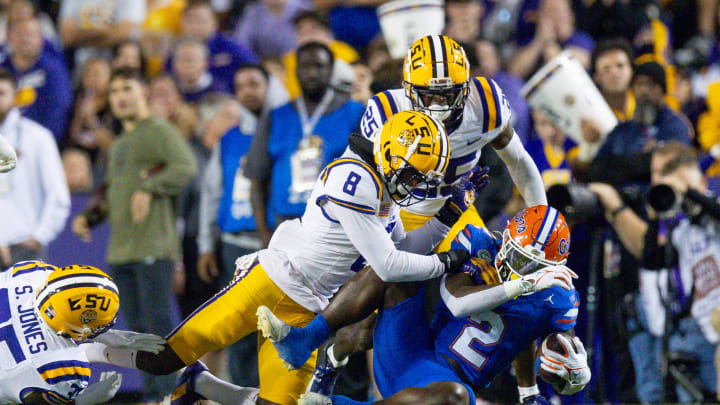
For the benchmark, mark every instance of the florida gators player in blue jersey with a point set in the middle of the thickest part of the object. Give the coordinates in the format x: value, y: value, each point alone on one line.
x: 479, y: 329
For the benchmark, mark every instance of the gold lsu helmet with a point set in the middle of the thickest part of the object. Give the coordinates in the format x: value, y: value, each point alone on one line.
x: 411, y: 154
x: 78, y: 301
x: 436, y: 77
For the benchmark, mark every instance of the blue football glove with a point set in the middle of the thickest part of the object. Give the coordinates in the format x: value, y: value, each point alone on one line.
x: 483, y: 248
x: 462, y: 195
x: 463, y: 192
x: 536, y: 400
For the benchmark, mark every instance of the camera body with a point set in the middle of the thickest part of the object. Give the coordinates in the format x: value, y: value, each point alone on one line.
x: 578, y: 204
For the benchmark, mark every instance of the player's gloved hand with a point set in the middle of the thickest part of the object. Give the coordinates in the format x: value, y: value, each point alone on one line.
x: 453, y: 260
x: 572, y: 367
x: 125, y: 339
x: 535, y: 400
x: 8, y: 158
x: 101, y: 391
x: 482, y: 246
x: 462, y: 194
x: 547, y: 277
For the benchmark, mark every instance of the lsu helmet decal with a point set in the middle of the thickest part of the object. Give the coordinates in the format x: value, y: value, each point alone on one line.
x: 78, y: 301
x: 411, y: 153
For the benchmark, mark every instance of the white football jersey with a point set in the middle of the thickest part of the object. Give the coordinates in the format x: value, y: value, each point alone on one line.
x: 486, y: 114
x: 32, y: 357
x: 311, y: 257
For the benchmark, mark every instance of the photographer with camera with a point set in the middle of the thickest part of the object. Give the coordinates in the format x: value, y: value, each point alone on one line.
x: 692, y: 245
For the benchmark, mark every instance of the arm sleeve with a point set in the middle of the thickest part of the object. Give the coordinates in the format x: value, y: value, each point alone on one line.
x: 523, y: 171
x: 210, y: 194
x: 424, y: 239
x: 167, y: 147
x: 56, y: 205
x: 481, y: 301
x: 374, y: 244
x: 258, y: 165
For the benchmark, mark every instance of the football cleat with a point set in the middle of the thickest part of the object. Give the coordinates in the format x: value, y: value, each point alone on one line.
x: 278, y: 332
x: 326, y: 370
x: 312, y: 398
x: 184, y: 392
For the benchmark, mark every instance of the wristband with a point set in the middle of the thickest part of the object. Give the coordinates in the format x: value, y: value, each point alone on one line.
x: 614, y: 213
x: 528, y: 391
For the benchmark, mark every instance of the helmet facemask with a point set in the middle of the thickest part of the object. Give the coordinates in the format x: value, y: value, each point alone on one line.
x: 516, y: 260
x: 403, y: 178
x: 441, y: 100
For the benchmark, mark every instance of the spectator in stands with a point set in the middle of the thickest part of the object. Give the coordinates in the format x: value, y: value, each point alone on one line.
x: 129, y: 54
x: 312, y: 27
x: 93, y: 26
x: 190, y: 69
x: 624, y: 155
x: 378, y: 54
x: 550, y: 150
x: 150, y: 164
x: 486, y: 62
x: 298, y: 139
x: 463, y: 20
x: 612, y: 71
x: 199, y: 22
x: 266, y: 26
x: 34, y: 197
x: 78, y: 170
x: 93, y: 127
x: 44, y: 88
x: 361, y: 86
x: 555, y: 31
x: 22, y: 9
x: 166, y: 102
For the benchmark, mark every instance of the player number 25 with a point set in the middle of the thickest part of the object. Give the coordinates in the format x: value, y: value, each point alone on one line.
x: 486, y: 329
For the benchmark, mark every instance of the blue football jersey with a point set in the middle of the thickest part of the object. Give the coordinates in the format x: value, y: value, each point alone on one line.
x: 486, y: 343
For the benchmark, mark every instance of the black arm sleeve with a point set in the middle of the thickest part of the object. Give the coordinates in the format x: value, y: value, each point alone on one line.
x: 708, y: 203
x: 655, y: 255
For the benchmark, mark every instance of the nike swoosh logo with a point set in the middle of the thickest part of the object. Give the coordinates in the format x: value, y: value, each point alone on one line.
x: 472, y: 142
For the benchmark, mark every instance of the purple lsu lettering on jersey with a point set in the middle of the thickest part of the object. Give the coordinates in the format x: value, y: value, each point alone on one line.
x: 487, y: 343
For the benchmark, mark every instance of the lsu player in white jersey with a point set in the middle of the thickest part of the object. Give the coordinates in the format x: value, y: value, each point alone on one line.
x: 45, y: 311
x: 352, y: 213
x: 475, y: 112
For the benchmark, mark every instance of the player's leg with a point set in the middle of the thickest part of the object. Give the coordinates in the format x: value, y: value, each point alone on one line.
x: 277, y: 384
x: 220, y: 321
x: 355, y: 301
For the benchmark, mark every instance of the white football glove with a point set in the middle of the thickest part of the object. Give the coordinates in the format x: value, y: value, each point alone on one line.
x: 573, y: 368
x: 101, y: 391
x: 125, y: 339
x: 547, y: 277
x: 8, y: 158
x: 312, y: 398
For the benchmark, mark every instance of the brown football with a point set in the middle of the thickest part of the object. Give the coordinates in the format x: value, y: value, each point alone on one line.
x: 551, y: 342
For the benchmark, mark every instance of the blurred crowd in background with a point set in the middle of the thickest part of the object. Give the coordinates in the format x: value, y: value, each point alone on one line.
x: 215, y: 81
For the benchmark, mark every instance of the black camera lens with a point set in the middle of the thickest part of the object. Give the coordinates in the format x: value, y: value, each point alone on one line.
x: 662, y: 198
x: 576, y: 202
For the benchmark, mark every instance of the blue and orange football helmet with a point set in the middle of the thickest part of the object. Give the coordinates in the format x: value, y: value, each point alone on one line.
x: 534, y: 238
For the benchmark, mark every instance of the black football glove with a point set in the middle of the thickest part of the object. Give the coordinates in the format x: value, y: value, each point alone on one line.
x: 454, y: 260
